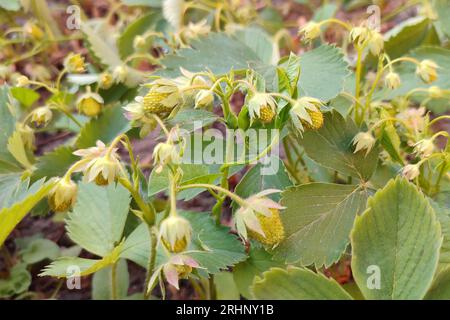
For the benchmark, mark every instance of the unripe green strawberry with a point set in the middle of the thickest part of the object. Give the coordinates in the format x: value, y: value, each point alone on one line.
x: 153, y: 103
x: 271, y: 226
x: 100, y: 180
x: 266, y: 114
x: 180, y: 245
x: 62, y: 197
x: 316, y: 118
x: 175, y: 233
x: 90, y: 107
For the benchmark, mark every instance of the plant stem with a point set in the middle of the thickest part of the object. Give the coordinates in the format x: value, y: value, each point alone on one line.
x: 441, y: 174
x: 233, y: 196
x: 374, y: 85
x: 57, y: 289
x: 358, y: 117
x: 437, y: 119
x: 114, y: 281
x: 147, y: 210
x: 69, y: 115
x: 212, y: 288
x: 151, y: 262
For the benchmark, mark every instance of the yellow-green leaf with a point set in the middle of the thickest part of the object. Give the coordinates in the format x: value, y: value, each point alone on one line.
x: 16, y: 147
x: 10, y: 217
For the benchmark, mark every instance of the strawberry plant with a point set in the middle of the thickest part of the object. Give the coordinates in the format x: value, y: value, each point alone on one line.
x: 225, y: 150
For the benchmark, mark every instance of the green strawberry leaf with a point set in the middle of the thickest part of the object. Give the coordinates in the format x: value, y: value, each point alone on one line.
x: 399, y: 235
x: 21, y: 201
x: 106, y: 127
x: 97, y: 221
x: 318, y: 219
x: 297, y: 284
x: 331, y: 146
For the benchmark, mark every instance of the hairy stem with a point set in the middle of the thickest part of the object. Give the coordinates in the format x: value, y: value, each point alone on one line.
x: 151, y: 262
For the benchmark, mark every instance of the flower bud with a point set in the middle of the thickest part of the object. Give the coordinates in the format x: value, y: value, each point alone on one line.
x: 103, y: 171
x: 376, y: 43
x: 435, y: 92
x: 120, y: 74
x: 74, y: 63
x: 39, y: 72
x: 424, y: 148
x: 22, y: 81
x: 164, y: 153
x: 5, y: 71
x: 392, y: 80
x: 203, y: 98
x: 411, y: 171
x: 195, y: 30
x: 427, y: 71
x: 105, y: 81
x: 90, y: 104
x: 63, y: 195
x: 32, y: 30
x: 310, y: 31
x: 359, y: 35
x: 175, y: 233
x: 41, y: 117
x: 139, y: 42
